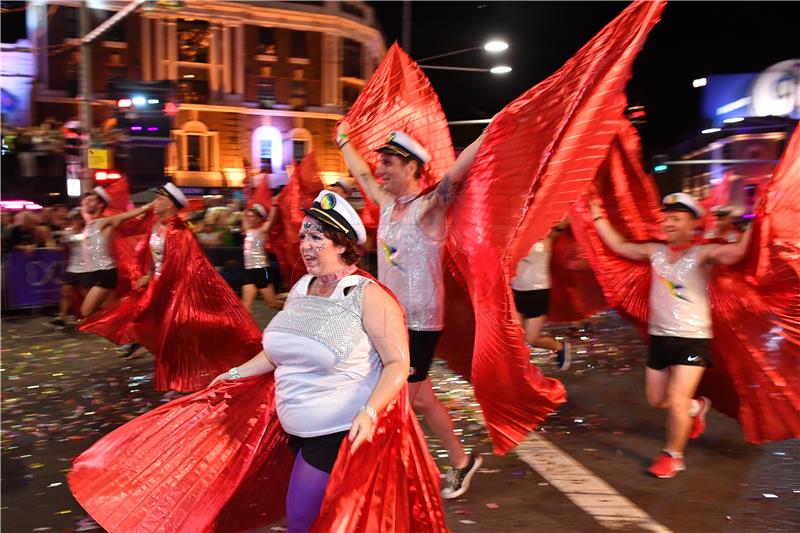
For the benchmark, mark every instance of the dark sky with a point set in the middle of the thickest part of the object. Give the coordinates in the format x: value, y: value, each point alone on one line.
x: 692, y: 39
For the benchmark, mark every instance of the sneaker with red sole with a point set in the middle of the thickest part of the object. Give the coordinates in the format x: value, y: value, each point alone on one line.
x: 699, y: 420
x: 665, y: 466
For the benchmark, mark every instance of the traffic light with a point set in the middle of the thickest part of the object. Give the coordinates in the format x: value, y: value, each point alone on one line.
x: 145, y: 110
x: 660, y: 163
x: 73, y: 141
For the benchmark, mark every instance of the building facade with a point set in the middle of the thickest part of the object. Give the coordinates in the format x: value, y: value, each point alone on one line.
x: 260, y: 84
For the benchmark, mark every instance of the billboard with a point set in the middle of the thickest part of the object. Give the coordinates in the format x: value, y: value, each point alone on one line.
x: 774, y: 92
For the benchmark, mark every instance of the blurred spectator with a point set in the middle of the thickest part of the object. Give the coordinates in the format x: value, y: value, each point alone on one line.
x: 28, y: 233
x: 215, y: 230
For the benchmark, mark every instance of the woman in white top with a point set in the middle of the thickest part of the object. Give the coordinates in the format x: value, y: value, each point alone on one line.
x: 339, y: 350
x: 256, y: 224
x: 76, y: 273
x: 531, y: 288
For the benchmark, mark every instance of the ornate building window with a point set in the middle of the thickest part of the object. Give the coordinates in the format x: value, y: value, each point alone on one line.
x: 194, y: 37
x: 267, y: 149
x: 197, y: 147
x: 300, y: 144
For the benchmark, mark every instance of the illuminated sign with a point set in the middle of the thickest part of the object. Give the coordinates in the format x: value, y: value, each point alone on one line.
x: 774, y: 92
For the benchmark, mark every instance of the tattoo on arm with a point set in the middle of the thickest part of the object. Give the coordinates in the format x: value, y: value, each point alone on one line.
x: 444, y: 191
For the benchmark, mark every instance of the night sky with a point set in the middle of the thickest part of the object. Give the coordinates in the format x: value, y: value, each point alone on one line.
x: 692, y: 40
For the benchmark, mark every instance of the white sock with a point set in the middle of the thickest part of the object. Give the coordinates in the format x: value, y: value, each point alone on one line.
x: 694, y: 408
x: 674, y: 455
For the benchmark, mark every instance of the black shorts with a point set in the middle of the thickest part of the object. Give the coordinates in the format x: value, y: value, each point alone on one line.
x: 320, y: 452
x: 107, y: 279
x: 532, y: 303
x: 668, y: 351
x: 78, y: 279
x: 256, y: 276
x: 422, y: 344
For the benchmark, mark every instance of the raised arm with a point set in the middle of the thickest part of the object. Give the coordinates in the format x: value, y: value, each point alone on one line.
x: 383, y: 320
x: 358, y: 167
x: 116, y: 220
x: 446, y: 188
x: 615, y: 241
x: 728, y: 254
x: 273, y: 213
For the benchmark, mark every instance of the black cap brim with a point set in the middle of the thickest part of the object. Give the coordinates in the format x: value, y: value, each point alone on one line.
x: 330, y: 221
x: 678, y: 206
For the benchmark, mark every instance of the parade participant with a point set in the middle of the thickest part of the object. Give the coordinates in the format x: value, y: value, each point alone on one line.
x: 182, y: 311
x: 531, y: 287
x: 412, y: 233
x: 97, y: 251
x: 257, y: 223
x: 331, y: 374
x: 679, y: 320
x: 723, y: 231
x: 76, y: 273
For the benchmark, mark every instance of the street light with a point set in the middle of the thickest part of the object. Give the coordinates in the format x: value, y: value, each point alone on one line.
x: 495, y: 46
x: 500, y: 69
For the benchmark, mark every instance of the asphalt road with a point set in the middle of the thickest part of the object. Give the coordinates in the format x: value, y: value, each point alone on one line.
x: 583, y: 470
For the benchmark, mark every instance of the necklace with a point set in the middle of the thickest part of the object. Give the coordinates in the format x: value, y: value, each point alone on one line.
x: 406, y: 198
x: 333, y: 277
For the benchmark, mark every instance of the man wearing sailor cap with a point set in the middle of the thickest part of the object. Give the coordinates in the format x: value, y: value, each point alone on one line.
x: 724, y: 230
x: 679, y: 318
x: 96, y: 248
x: 412, y: 232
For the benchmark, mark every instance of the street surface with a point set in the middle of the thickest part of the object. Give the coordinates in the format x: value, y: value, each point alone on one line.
x: 582, y: 471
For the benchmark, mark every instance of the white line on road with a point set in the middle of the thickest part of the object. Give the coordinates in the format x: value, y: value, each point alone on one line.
x: 610, y: 508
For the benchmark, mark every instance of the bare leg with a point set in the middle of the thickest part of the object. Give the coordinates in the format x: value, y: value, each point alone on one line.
x: 95, y: 298
x: 66, y: 299
x: 533, y: 334
x: 656, y: 382
x: 682, y: 385
x: 425, y: 403
x: 248, y: 295
x: 268, y: 293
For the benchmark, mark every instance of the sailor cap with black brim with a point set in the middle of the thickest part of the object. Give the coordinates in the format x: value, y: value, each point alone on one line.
x: 401, y: 144
x: 102, y: 194
x: 680, y: 201
x: 260, y: 209
x: 337, y: 213
x: 171, y: 191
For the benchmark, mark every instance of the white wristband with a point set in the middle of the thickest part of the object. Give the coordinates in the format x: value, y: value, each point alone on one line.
x: 234, y: 373
x: 371, y: 413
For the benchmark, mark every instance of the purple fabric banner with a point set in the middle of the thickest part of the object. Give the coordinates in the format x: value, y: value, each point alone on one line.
x: 33, y: 280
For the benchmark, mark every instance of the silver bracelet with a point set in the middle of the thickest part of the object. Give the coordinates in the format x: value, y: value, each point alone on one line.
x: 234, y: 373
x: 371, y: 413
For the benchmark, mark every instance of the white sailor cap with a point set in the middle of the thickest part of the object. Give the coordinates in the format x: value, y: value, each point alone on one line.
x: 171, y: 191
x: 721, y: 210
x: 260, y: 209
x: 102, y: 194
x: 337, y: 213
x: 399, y: 143
x: 680, y: 201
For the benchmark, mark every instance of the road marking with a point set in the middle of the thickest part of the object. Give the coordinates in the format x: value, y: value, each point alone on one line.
x: 599, y: 499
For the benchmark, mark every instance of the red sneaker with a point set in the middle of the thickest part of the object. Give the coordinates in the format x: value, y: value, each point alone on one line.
x: 699, y: 420
x: 665, y: 466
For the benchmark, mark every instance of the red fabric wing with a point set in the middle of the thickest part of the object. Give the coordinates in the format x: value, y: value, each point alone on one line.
x: 540, y: 153
x: 399, y: 96
x: 300, y: 192
x: 188, y: 317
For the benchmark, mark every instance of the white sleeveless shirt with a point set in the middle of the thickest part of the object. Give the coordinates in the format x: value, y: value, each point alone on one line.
x: 679, y: 304
x: 533, y: 271
x: 97, y: 247
x: 410, y: 265
x: 326, y: 364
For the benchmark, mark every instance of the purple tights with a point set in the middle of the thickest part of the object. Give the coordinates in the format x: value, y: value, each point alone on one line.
x: 304, y: 498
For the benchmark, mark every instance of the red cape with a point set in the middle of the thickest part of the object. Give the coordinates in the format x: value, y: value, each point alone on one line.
x: 755, y: 304
x: 188, y: 316
x: 303, y: 187
x: 218, y: 460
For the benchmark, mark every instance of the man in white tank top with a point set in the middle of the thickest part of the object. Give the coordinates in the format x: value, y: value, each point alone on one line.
x: 679, y: 318
x: 412, y: 232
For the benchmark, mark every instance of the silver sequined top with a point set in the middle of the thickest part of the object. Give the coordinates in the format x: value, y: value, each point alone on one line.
x: 255, y: 256
x: 679, y: 304
x: 157, y: 249
x: 533, y: 272
x: 326, y: 365
x: 74, y: 242
x: 97, y: 248
x: 410, y: 264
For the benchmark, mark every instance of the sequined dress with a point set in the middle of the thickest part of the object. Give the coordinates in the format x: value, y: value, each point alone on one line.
x: 255, y: 256
x: 97, y: 248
